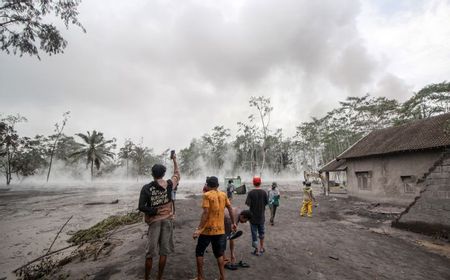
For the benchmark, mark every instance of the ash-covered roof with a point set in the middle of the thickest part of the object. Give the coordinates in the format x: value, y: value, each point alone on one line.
x: 334, y: 165
x: 416, y: 135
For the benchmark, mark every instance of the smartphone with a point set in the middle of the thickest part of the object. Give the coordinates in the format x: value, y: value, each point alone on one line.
x: 172, y: 154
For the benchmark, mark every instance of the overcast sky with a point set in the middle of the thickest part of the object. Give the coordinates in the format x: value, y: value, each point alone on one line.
x: 169, y: 71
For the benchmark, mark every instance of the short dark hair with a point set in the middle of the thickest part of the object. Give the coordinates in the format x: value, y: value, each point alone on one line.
x: 212, y: 182
x: 246, y: 214
x: 230, y: 181
x: 158, y: 171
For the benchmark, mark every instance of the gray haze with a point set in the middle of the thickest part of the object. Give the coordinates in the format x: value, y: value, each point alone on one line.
x: 169, y: 71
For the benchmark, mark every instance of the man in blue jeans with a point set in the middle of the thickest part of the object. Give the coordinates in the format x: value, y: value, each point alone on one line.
x: 257, y: 200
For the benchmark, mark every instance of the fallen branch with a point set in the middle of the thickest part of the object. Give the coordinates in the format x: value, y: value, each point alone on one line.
x: 100, y: 203
x: 58, y: 234
x: 104, y: 227
x: 131, y: 219
x: 43, y: 256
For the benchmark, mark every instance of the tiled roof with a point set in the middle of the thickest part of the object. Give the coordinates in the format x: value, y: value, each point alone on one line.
x: 334, y: 165
x: 416, y: 135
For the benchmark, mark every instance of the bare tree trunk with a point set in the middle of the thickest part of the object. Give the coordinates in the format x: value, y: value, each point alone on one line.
x: 50, y: 164
x: 263, y: 159
x: 8, y: 169
x: 92, y: 170
x: 59, y: 131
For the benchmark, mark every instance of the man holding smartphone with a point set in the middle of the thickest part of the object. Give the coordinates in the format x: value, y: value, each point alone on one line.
x: 156, y: 202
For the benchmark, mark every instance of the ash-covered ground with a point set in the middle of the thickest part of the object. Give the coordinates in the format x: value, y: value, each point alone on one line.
x: 346, y: 238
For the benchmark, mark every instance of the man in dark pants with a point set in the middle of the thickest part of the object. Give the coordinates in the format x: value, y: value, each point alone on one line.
x: 274, y: 202
x: 156, y: 202
x: 212, y: 228
x: 257, y: 200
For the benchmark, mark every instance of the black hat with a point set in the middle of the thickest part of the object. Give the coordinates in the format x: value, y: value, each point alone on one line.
x: 212, y: 182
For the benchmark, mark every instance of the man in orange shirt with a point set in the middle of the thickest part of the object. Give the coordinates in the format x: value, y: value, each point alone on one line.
x: 212, y: 228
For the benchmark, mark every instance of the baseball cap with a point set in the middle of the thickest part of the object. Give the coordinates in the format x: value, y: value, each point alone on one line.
x: 256, y: 180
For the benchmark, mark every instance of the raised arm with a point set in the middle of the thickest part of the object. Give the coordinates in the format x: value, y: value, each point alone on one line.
x: 176, y: 171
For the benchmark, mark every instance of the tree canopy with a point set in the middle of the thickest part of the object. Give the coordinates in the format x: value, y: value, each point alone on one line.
x: 24, y: 28
x: 254, y: 148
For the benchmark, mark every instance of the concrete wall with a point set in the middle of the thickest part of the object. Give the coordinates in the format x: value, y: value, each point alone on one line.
x: 430, y: 213
x: 386, y: 171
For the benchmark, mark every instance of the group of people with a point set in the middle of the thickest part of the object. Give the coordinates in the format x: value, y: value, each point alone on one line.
x: 216, y: 225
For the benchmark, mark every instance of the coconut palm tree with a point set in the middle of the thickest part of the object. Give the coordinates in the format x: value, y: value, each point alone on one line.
x: 95, y: 149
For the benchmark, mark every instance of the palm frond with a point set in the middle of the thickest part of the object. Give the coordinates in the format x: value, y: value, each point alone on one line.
x: 84, y: 137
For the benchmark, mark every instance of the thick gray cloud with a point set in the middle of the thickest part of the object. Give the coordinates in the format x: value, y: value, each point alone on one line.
x: 169, y: 71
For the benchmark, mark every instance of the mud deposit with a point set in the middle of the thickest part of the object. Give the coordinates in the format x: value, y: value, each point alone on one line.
x: 345, y: 239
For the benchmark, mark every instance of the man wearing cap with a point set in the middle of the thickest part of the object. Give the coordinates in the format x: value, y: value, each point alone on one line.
x: 212, y: 228
x: 257, y: 200
x: 156, y: 202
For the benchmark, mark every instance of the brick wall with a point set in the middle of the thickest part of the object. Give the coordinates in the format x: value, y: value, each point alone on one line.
x: 430, y: 212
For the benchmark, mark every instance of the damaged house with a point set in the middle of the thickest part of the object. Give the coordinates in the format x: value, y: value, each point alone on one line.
x: 405, y: 165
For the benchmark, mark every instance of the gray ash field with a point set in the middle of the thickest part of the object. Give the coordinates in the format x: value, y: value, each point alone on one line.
x: 345, y: 239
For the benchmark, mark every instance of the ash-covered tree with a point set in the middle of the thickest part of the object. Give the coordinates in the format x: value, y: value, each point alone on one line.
x: 126, y: 153
x: 279, y: 152
x: 9, y: 145
x: 432, y: 100
x: 31, y: 156
x: 216, y: 146
x: 59, y: 127
x: 24, y: 26
x: 308, y: 144
x: 65, y: 147
x: 94, y: 149
x: 143, y: 159
x: 262, y: 105
x: 246, y: 145
x: 189, y: 159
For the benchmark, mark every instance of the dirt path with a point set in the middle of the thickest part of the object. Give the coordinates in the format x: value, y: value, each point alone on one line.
x: 337, y: 243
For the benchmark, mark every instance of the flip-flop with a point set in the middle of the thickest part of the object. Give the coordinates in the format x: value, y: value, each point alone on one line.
x: 230, y: 266
x: 235, y: 235
x: 262, y: 252
x: 243, y: 264
x: 256, y: 253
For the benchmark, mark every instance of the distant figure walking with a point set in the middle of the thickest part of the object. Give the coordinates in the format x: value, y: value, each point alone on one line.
x: 308, y: 199
x: 257, y: 200
x: 212, y: 227
x: 274, y: 202
x: 230, y: 189
x: 156, y: 202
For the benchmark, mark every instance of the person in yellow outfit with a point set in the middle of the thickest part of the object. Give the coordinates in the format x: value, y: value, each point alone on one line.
x: 308, y: 199
x: 212, y: 226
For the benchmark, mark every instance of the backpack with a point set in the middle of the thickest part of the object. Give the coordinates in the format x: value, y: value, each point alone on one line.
x: 159, y: 196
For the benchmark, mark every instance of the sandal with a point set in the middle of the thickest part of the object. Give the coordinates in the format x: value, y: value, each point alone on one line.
x: 256, y: 253
x: 243, y: 264
x: 262, y: 252
x: 230, y: 266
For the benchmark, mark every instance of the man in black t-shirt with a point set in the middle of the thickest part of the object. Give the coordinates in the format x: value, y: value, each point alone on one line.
x: 257, y: 200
